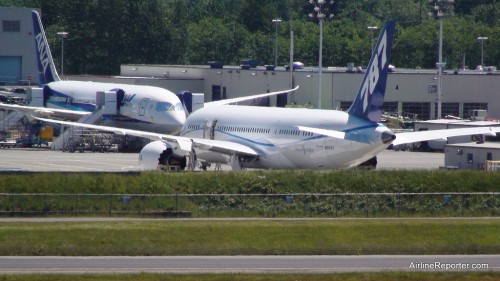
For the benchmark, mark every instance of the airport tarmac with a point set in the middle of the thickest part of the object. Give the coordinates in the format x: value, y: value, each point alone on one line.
x: 250, y: 264
x: 44, y: 160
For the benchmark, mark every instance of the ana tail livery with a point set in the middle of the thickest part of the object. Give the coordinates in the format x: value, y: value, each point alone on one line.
x: 289, y: 138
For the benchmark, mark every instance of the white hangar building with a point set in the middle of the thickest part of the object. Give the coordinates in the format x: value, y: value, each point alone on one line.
x: 472, y: 156
x: 408, y: 91
x: 18, y: 63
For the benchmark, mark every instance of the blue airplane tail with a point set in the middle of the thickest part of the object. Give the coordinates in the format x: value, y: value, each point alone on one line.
x: 370, y: 98
x: 46, y: 68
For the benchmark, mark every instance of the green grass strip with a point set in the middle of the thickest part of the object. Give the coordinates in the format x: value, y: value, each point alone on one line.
x: 254, y: 237
x: 261, y: 182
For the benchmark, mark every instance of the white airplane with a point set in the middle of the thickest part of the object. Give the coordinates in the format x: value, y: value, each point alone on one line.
x: 289, y: 138
x: 147, y: 108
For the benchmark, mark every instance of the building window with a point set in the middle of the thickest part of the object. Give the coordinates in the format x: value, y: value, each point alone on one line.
x: 470, y: 158
x: 391, y: 107
x: 11, y: 25
x: 489, y: 156
x: 417, y: 110
x: 448, y: 108
x: 469, y: 107
x: 344, y: 105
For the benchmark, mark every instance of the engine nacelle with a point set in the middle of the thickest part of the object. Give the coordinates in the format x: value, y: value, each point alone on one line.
x: 160, y: 153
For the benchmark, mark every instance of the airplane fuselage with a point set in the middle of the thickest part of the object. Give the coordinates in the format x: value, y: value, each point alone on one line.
x: 147, y: 108
x: 274, y: 134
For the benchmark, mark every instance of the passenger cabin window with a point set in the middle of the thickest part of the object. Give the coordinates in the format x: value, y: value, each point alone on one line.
x: 244, y: 129
x: 193, y: 127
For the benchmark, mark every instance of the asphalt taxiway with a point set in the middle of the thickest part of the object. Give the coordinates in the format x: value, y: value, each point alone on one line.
x: 44, y: 160
x: 250, y: 264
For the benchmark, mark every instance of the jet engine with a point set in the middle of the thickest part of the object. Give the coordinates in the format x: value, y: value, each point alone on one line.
x: 161, y: 153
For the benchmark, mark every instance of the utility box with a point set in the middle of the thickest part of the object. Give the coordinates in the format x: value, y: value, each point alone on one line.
x: 107, y: 101
x: 47, y: 133
x: 191, y: 101
x: 198, y: 101
x: 34, y: 97
x: 479, y: 115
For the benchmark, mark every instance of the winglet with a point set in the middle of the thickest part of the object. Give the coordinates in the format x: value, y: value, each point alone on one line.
x: 370, y: 98
x: 46, y: 68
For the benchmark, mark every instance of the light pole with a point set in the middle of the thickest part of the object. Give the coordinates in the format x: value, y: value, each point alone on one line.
x: 438, y: 9
x: 322, y: 10
x: 276, y: 22
x: 482, y: 39
x: 63, y: 35
x: 372, y: 29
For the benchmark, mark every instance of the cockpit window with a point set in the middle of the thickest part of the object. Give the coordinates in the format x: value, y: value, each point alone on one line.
x: 179, y: 106
x: 166, y: 106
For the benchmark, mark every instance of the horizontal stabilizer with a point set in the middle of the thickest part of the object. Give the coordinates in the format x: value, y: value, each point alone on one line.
x: 403, y: 138
x: 329, y: 133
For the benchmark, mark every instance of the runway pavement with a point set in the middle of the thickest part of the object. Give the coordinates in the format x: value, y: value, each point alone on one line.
x: 250, y: 264
x: 40, y: 160
x: 37, y: 160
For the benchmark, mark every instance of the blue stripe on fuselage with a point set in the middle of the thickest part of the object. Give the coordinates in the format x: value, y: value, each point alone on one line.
x: 352, y: 137
x: 88, y: 107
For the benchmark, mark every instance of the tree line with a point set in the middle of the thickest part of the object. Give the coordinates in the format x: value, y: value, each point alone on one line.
x: 103, y: 34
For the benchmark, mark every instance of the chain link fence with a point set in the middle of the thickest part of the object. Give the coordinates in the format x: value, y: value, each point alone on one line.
x: 254, y: 205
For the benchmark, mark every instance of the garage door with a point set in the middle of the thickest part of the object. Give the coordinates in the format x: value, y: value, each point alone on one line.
x: 10, y: 70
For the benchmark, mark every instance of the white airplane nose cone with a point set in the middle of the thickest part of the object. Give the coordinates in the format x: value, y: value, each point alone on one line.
x: 179, y: 118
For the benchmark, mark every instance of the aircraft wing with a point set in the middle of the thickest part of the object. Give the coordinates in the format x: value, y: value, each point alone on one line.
x: 46, y: 112
x: 186, y: 144
x: 224, y: 147
x: 403, y: 138
x: 240, y: 99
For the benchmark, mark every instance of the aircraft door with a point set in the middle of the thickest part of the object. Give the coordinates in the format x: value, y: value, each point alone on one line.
x: 209, y: 129
x: 142, y: 107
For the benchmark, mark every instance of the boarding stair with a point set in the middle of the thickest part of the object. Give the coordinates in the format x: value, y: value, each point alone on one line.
x: 81, y: 140
x: 10, y: 120
x: 68, y: 135
x: 71, y: 139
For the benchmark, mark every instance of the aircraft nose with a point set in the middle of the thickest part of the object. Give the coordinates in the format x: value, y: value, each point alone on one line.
x: 388, y: 137
x: 179, y: 118
x: 173, y: 121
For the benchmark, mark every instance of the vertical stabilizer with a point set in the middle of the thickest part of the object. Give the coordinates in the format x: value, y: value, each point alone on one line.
x: 370, y: 98
x: 46, y: 68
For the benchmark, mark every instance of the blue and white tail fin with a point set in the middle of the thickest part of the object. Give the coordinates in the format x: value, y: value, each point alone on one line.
x: 370, y: 98
x: 46, y: 68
